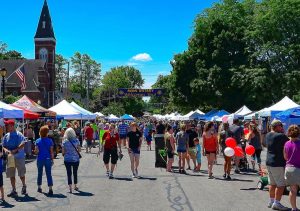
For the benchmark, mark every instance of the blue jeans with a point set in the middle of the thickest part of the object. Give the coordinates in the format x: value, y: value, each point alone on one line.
x: 40, y: 165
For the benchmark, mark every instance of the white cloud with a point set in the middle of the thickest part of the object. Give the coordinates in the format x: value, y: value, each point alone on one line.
x: 142, y: 57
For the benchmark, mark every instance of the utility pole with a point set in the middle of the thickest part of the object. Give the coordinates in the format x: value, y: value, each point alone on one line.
x: 88, y: 85
x: 68, y: 79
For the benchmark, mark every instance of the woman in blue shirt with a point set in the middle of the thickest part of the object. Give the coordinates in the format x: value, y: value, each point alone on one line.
x: 70, y: 150
x: 45, y: 156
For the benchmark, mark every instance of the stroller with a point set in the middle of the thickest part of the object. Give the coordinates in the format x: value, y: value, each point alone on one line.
x: 244, y: 164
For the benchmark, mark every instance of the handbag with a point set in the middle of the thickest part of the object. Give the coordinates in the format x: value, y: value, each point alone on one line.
x: 11, y: 163
x: 76, y: 150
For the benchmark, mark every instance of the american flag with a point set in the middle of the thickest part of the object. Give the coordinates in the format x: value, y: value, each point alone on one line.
x: 21, y: 75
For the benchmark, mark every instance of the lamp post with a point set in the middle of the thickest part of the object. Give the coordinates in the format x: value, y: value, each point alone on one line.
x: 3, y: 72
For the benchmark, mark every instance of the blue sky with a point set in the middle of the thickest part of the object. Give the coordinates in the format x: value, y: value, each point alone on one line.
x: 143, y: 33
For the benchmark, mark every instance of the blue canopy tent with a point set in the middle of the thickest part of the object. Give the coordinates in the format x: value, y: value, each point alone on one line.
x: 289, y: 117
x: 127, y: 117
x: 218, y: 115
x: 8, y: 111
x: 209, y: 114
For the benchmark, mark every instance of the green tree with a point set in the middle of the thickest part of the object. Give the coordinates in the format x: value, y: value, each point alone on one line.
x: 113, y: 108
x: 11, y: 54
x: 121, y: 77
x: 61, y: 72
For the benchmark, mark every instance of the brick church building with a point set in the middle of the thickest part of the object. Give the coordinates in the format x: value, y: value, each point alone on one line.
x: 39, y: 72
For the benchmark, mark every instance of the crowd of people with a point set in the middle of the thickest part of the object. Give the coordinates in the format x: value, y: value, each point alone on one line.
x: 190, y: 141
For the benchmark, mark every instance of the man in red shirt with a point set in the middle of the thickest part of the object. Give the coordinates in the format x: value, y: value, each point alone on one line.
x: 88, y: 135
x: 111, y: 143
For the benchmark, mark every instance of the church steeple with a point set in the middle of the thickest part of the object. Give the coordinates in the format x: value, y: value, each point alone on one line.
x: 45, y: 29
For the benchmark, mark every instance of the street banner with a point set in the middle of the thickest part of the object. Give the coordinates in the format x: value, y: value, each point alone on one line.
x: 123, y: 92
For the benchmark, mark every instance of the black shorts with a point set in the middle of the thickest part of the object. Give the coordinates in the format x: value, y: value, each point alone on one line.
x: 111, y: 154
x: 1, y: 179
x: 170, y: 155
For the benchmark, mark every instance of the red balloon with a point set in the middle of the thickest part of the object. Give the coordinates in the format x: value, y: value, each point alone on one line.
x: 230, y: 142
x: 246, y: 131
x: 250, y: 150
x: 238, y: 151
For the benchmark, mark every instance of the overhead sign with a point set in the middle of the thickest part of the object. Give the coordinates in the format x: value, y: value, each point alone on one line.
x: 122, y: 92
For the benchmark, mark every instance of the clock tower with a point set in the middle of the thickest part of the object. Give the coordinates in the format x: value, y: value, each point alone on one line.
x: 45, y: 43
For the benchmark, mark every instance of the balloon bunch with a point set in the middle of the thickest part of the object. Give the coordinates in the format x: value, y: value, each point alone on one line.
x: 233, y: 150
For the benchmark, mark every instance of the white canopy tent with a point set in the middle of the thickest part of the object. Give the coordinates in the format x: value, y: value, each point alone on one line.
x: 112, y: 117
x: 284, y: 104
x: 243, y: 111
x: 193, y: 115
x: 99, y: 114
x: 66, y: 110
x: 86, y: 114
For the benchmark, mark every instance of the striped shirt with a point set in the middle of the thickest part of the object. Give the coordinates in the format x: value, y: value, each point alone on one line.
x: 123, y: 129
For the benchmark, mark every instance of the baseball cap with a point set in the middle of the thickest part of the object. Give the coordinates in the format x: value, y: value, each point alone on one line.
x: 9, y: 122
x: 276, y: 122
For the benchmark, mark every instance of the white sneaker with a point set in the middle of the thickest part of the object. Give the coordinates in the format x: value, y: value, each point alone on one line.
x: 270, y: 204
x: 133, y: 175
x: 136, y: 173
x: 279, y: 206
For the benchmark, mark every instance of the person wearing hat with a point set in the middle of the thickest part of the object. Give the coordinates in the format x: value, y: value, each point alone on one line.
x: 13, y: 145
x: 275, y: 141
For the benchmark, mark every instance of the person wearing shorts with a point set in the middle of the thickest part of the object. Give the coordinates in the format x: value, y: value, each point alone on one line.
x: 192, y: 149
x: 170, y: 145
x: 111, y: 144
x: 13, y: 145
x: 182, y: 139
x: 210, y: 146
x: 134, y: 141
x: 275, y: 141
x: 292, y: 168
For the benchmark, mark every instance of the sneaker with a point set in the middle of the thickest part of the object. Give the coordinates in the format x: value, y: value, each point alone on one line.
x: 270, y: 204
x: 13, y: 193
x: 183, y: 172
x: 111, y: 176
x: 133, y: 175
x: 210, y: 177
x: 39, y: 190
x: 279, y: 206
x: 50, y: 193
x: 24, y: 192
x: 224, y: 175
x: 189, y: 168
x: 228, y: 177
x: 107, y: 173
x: 237, y: 171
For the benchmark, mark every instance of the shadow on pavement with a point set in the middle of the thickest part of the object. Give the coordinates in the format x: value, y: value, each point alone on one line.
x: 248, y: 189
x: 147, y: 178
x: 56, y: 195
x: 234, y: 180
x: 5, y: 204
x: 26, y: 198
x: 123, y: 179
x: 82, y: 193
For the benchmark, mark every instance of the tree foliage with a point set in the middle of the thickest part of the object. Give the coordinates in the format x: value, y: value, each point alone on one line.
x: 8, y: 54
x: 241, y: 52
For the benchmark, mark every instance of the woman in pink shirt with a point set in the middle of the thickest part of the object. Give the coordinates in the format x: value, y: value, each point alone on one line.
x: 292, y: 156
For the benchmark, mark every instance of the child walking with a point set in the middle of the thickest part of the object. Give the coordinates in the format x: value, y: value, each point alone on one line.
x: 198, y: 154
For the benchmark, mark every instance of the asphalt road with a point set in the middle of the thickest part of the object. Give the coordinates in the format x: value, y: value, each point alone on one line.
x: 155, y: 190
